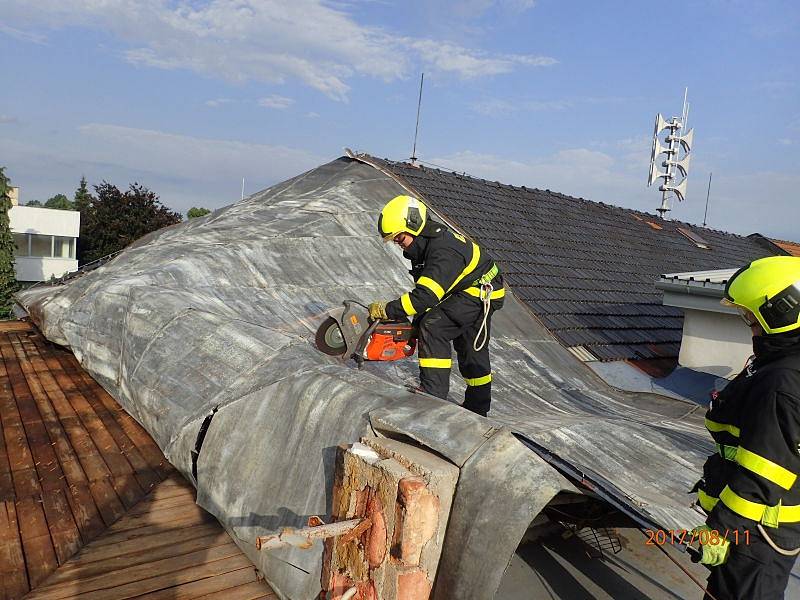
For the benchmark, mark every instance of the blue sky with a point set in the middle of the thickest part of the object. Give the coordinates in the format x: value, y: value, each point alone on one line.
x: 189, y: 97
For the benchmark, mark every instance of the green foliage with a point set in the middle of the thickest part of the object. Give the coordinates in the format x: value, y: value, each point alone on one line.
x: 195, y: 212
x: 83, y: 197
x: 113, y: 219
x: 34, y: 203
x: 8, y: 280
x: 59, y: 202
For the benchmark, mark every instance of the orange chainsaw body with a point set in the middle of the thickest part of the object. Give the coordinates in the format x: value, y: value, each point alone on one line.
x: 390, y: 341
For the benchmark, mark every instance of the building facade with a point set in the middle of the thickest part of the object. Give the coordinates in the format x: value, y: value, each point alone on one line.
x: 45, y: 241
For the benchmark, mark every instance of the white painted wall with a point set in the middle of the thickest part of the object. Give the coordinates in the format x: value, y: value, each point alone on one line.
x: 715, y: 342
x: 45, y: 221
x: 42, y: 268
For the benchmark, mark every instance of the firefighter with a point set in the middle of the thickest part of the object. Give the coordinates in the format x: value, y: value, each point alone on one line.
x: 458, y: 287
x: 750, y: 489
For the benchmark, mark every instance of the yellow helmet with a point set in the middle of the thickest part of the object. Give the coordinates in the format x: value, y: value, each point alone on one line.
x: 770, y: 289
x: 402, y: 214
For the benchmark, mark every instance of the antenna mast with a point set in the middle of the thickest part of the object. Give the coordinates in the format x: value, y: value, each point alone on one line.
x: 708, y: 193
x: 416, y: 129
x: 672, y: 164
x: 242, y: 188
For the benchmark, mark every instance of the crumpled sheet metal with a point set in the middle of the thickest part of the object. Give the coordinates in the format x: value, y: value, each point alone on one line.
x: 220, y: 312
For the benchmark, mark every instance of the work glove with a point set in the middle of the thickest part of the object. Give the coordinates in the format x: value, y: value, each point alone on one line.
x: 377, y: 311
x: 714, y: 548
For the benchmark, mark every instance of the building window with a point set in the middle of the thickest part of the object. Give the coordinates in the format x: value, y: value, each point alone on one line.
x: 21, y: 244
x: 41, y: 245
x: 63, y: 247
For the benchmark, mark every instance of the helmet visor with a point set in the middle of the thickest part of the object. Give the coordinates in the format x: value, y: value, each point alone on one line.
x: 748, y: 317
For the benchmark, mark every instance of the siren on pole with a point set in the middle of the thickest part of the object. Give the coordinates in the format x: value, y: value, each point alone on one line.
x: 676, y: 150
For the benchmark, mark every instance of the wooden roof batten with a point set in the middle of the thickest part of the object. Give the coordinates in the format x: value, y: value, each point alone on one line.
x: 90, y: 506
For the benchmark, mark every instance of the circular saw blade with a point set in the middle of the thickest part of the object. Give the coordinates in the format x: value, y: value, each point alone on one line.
x: 329, y: 338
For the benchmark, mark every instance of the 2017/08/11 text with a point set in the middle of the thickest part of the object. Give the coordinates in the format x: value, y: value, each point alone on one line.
x: 661, y: 537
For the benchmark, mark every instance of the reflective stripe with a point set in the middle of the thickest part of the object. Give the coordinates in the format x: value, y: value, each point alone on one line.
x: 429, y: 283
x: 713, y: 426
x: 476, y: 381
x: 488, y: 276
x: 766, y: 468
x: 771, y: 516
x: 436, y: 363
x: 405, y: 300
x: 741, y: 506
x: 476, y: 257
x: 473, y: 291
x: 727, y: 452
x: 707, y: 502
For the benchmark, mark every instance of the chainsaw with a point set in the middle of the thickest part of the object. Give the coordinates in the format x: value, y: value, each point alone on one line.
x: 348, y: 333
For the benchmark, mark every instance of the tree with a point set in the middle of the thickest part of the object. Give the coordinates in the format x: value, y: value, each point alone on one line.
x: 195, y: 212
x: 83, y: 197
x: 8, y: 279
x: 33, y: 203
x: 114, y: 219
x: 83, y: 202
x: 59, y: 202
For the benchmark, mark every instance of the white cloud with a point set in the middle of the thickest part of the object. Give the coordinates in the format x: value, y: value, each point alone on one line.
x: 263, y: 40
x: 785, y: 141
x: 312, y: 115
x: 184, y: 170
x: 25, y: 36
x: 217, y: 102
x: 275, y: 101
x: 468, y: 64
x: 493, y: 107
x: 7, y: 120
x: 619, y: 178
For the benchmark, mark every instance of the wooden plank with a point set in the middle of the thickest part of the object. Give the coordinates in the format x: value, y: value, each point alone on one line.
x: 63, y: 529
x: 248, y: 591
x: 83, y: 569
x: 227, y: 582
x: 138, y: 579
x: 9, y: 326
x: 94, y: 552
x: 148, y: 448
x: 13, y: 574
x: 137, y: 532
x: 148, y: 505
x: 106, y: 500
x: 84, y: 511
x: 190, y: 513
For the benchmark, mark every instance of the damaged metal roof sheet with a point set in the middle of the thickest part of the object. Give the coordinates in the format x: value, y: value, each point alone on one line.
x: 209, y: 325
x: 586, y: 269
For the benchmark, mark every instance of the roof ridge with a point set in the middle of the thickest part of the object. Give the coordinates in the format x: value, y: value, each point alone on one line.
x: 464, y: 175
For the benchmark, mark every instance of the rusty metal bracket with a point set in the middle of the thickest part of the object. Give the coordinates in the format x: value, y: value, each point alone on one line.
x: 305, y: 537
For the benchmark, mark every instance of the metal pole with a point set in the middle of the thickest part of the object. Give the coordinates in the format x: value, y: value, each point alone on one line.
x: 416, y: 128
x: 242, y: 188
x: 708, y: 193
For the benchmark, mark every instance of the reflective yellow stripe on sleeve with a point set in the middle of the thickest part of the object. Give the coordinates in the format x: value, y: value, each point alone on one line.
x: 405, y: 301
x: 476, y: 381
x: 436, y: 363
x: 707, y: 502
x: 741, y: 506
x: 476, y: 257
x: 771, y: 516
x: 429, y: 283
x: 765, y: 468
x: 713, y: 427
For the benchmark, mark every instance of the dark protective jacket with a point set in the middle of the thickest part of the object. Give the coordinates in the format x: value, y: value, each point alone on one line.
x: 755, y: 423
x: 442, y: 263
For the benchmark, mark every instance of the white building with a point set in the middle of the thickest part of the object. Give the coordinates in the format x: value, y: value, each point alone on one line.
x: 715, y: 339
x: 45, y: 241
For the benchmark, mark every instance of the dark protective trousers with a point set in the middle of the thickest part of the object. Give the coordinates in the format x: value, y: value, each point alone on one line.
x: 752, y: 571
x: 456, y: 320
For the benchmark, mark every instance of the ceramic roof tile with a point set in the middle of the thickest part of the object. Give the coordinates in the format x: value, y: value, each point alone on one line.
x: 587, y: 269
